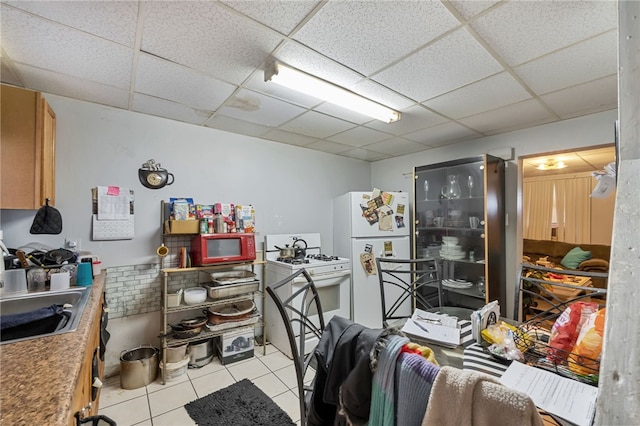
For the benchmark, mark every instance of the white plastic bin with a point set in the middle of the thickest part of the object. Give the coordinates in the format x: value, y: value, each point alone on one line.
x: 174, y: 370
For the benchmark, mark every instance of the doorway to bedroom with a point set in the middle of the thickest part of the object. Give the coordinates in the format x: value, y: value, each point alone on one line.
x: 559, y: 202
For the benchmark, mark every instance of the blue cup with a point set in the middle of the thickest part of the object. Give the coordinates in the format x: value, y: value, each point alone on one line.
x: 84, y: 276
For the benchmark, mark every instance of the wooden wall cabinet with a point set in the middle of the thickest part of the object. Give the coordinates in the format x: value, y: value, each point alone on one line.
x: 459, y: 219
x: 27, y: 145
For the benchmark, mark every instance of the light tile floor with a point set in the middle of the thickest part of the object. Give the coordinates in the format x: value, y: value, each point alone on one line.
x: 157, y: 404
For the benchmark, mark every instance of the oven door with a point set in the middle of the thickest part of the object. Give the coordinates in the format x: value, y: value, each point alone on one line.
x: 334, y: 290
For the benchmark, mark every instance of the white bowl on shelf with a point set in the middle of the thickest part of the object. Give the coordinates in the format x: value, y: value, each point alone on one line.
x: 195, y: 295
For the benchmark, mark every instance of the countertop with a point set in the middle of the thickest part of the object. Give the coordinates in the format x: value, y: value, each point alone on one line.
x: 38, y: 376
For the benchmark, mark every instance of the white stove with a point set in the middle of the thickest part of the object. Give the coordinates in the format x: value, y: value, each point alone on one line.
x: 331, y: 276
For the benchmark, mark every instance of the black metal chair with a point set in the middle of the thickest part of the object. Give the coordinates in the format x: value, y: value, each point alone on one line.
x: 295, y: 310
x: 412, y: 283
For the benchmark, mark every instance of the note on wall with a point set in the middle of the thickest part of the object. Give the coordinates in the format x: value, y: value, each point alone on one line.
x: 112, y: 213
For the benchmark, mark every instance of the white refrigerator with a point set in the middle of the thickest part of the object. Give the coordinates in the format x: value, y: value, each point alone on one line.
x: 367, y: 225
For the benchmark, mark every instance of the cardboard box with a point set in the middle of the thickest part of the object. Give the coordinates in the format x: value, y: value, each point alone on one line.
x: 235, y: 345
x: 181, y: 226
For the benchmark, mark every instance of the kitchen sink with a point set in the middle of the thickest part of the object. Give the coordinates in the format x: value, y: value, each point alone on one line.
x: 73, y: 301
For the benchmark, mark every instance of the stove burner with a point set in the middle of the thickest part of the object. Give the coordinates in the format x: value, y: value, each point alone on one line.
x: 322, y: 257
x: 293, y: 260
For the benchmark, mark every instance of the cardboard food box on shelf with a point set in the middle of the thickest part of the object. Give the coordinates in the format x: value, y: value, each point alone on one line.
x: 235, y: 345
x: 181, y: 226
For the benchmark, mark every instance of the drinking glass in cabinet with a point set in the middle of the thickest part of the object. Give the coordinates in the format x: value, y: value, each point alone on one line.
x: 470, y: 183
x: 426, y: 190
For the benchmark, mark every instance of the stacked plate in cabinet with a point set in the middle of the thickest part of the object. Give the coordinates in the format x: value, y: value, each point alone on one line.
x: 452, y: 252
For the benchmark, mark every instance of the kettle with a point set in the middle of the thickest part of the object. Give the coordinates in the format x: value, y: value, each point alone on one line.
x: 299, y: 251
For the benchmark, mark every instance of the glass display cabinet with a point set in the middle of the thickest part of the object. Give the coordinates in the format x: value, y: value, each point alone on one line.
x: 459, y: 219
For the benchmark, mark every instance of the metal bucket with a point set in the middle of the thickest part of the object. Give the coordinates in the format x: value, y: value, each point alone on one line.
x: 138, y: 367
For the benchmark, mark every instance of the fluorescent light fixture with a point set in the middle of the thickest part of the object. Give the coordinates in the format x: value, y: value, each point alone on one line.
x: 551, y: 165
x: 299, y: 81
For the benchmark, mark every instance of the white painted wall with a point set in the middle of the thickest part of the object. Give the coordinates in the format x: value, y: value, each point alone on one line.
x: 587, y: 131
x: 292, y: 188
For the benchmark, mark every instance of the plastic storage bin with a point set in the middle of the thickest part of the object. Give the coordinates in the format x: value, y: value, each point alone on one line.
x: 174, y: 370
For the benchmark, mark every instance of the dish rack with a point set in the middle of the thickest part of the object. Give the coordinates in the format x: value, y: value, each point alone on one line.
x: 532, y: 339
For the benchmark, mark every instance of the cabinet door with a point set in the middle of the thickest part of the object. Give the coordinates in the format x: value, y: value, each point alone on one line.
x: 83, y: 395
x: 27, y: 137
x: 48, y: 150
x: 452, y: 213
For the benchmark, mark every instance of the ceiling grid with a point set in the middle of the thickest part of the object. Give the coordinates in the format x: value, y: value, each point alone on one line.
x: 456, y: 70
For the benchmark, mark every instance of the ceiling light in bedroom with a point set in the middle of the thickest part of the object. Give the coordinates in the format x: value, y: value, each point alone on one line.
x: 551, y: 164
x: 305, y: 83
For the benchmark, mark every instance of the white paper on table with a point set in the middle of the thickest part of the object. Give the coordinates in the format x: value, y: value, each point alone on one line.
x: 443, y: 334
x: 567, y: 398
x: 113, y: 207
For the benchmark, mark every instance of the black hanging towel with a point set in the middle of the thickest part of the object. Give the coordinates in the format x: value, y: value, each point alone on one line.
x: 47, y: 221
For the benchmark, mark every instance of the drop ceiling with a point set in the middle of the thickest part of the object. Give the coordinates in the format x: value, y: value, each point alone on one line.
x: 589, y: 160
x: 456, y: 70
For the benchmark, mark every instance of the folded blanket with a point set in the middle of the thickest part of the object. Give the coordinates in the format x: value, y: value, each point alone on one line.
x: 461, y: 398
x: 594, y: 269
x: 594, y: 264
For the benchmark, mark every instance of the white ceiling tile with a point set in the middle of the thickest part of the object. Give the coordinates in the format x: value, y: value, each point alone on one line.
x: 281, y: 15
x: 359, y: 136
x: 73, y: 87
x: 490, y: 93
x: 234, y: 125
x: 411, y: 120
x: 523, y: 30
x: 363, y: 154
x: 369, y: 48
x: 469, y: 9
x: 288, y: 137
x: 586, y: 61
x: 449, y: 63
x: 112, y: 20
x: 376, y: 92
x: 317, y: 125
x: 447, y: 132
x: 599, y: 157
x: 587, y: 98
x: 195, y: 55
x: 328, y: 146
x: 64, y: 50
x: 257, y: 83
x: 163, y: 108
x: 522, y: 114
x: 396, y: 146
x: 305, y: 59
x: 208, y: 38
x: 168, y: 80
x: 257, y: 108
